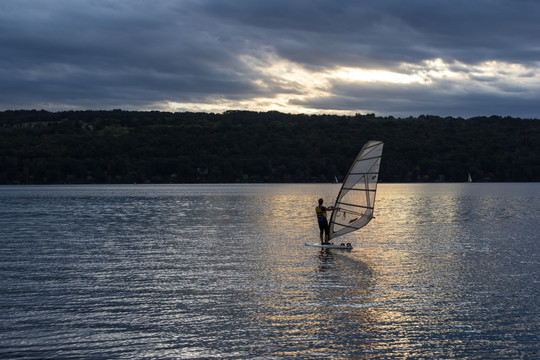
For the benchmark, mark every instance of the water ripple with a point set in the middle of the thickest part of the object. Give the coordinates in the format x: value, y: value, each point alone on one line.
x: 201, y: 271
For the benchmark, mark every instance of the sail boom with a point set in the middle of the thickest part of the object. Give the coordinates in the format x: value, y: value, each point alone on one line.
x: 358, y: 206
x: 349, y: 226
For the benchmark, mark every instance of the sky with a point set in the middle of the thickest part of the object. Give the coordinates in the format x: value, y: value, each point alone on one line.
x: 401, y: 58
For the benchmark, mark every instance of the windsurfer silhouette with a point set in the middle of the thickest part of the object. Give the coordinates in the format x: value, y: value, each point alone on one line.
x: 323, y: 221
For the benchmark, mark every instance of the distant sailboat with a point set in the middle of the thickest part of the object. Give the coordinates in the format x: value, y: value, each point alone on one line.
x: 469, y: 179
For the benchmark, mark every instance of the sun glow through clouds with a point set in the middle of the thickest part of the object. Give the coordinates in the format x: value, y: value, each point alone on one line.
x: 383, y: 76
x: 285, y: 85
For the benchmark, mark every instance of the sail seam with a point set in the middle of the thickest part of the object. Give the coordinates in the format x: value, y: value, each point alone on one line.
x: 355, y: 189
x: 369, y: 158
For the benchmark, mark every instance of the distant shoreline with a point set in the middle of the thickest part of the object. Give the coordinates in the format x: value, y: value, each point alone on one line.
x: 125, y: 147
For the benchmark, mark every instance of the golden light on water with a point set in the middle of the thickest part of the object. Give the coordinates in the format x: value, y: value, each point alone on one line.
x: 393, y: 271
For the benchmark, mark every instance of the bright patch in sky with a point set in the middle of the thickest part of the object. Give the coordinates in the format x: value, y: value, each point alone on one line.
x: 383, y: 76
x: 288, y: 83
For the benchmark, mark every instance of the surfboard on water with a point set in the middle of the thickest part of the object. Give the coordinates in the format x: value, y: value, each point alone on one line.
x: 355, y: 202
x: 331, y: 246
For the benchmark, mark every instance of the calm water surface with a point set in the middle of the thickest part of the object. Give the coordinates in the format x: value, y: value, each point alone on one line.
x: 202, y: 271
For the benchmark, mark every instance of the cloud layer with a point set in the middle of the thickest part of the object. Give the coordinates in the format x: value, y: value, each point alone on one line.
x: 401, y: 58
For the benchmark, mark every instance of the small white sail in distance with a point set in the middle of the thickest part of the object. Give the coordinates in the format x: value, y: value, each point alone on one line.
x: 356, y: 198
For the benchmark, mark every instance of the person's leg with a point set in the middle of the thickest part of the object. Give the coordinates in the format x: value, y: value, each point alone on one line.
x: 326, y: 232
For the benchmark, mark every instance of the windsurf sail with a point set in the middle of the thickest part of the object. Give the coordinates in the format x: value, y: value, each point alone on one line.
x: 356, y: 198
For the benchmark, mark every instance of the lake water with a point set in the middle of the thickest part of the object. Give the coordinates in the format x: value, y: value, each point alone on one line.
x: 221, y: 271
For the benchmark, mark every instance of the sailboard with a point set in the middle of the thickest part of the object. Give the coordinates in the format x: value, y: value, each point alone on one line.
x: 347, y: 246
x: 356, y: 198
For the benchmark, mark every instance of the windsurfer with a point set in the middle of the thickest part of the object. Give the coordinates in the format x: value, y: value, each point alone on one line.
x: 323, y: 221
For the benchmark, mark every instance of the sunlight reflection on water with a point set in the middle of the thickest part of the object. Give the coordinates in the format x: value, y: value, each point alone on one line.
x: 200, y: 271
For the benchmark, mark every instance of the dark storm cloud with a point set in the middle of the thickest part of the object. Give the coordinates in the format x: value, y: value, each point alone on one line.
x: 135, y: 53
x: 389, y: 31
x: 138, y: 54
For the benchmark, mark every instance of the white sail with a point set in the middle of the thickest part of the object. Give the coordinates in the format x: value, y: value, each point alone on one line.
x: 356, y: 198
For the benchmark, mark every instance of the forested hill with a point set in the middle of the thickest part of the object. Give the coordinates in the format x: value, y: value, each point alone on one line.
x: 40, y: 147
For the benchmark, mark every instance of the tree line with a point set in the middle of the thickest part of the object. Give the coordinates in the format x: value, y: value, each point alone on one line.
x: 41, y: 147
